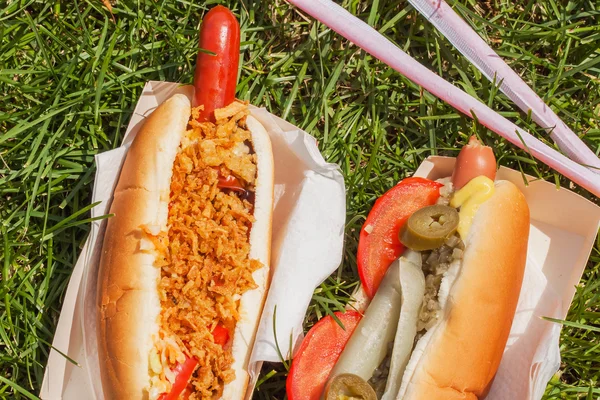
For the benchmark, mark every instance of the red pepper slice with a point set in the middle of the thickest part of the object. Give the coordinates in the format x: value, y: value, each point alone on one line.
x: 317, y: 355
x: 378, y: 245
x: 215, y: 77
x: 220, y: 335
x: 183, y: 372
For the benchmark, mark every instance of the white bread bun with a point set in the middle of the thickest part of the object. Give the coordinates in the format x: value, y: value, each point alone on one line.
x: 128, y: 300
x: 458, y: 358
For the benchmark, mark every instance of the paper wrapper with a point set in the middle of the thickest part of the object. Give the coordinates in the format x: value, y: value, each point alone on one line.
x: 307, y: 244
x: 308, y: 232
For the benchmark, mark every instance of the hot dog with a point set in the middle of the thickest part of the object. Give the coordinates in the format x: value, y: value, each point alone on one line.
x: 442, y: 264
x: 185, y: 260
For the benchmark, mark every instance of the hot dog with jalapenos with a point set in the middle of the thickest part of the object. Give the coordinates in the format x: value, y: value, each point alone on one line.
x: 184, y: 265
x: 442, y: 264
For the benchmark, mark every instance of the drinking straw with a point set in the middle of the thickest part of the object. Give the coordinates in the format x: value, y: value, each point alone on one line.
x: 476, y: 50
x: 364, y: 36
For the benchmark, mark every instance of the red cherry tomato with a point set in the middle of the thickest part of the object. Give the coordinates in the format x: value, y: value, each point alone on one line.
x: 215, y: 77
x: 220, y: 335
x: 379, y: 245
x: 473, y: 160
x: 183, y: 372
x: 317, y: 355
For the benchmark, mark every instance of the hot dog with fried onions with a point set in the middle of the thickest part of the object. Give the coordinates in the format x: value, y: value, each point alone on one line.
x: 185, y: 260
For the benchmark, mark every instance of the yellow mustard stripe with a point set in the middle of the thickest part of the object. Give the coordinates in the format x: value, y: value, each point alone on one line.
x: 469, y: 198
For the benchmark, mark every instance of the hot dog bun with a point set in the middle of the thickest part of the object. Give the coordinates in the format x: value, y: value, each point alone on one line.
x: 252, y: 302
x: 459, y: 357
x: 128, y: 299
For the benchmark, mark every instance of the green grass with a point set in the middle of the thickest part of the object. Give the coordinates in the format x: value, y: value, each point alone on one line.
x: 70, y: 74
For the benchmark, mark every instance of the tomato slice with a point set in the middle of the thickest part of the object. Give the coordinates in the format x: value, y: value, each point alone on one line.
x: 231, y: 183
x: 220, y: 335
x: 183, y: 372
x: 317, y: 355
x: 379, y: 245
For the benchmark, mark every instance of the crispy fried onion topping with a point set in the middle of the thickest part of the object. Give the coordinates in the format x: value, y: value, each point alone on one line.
x: 204, y: 256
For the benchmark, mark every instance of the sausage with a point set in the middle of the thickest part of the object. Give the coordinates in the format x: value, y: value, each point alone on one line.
x: 473, y: 160
x: 215, y: 77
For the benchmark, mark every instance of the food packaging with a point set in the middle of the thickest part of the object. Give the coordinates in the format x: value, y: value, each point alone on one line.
x: 308, y: 232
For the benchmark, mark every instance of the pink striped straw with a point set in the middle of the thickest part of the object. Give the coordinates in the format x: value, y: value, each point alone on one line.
x: 476, y: 50
x: 361, y: 34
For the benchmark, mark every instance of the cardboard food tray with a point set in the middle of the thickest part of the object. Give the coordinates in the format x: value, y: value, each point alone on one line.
x: 563, y: 229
